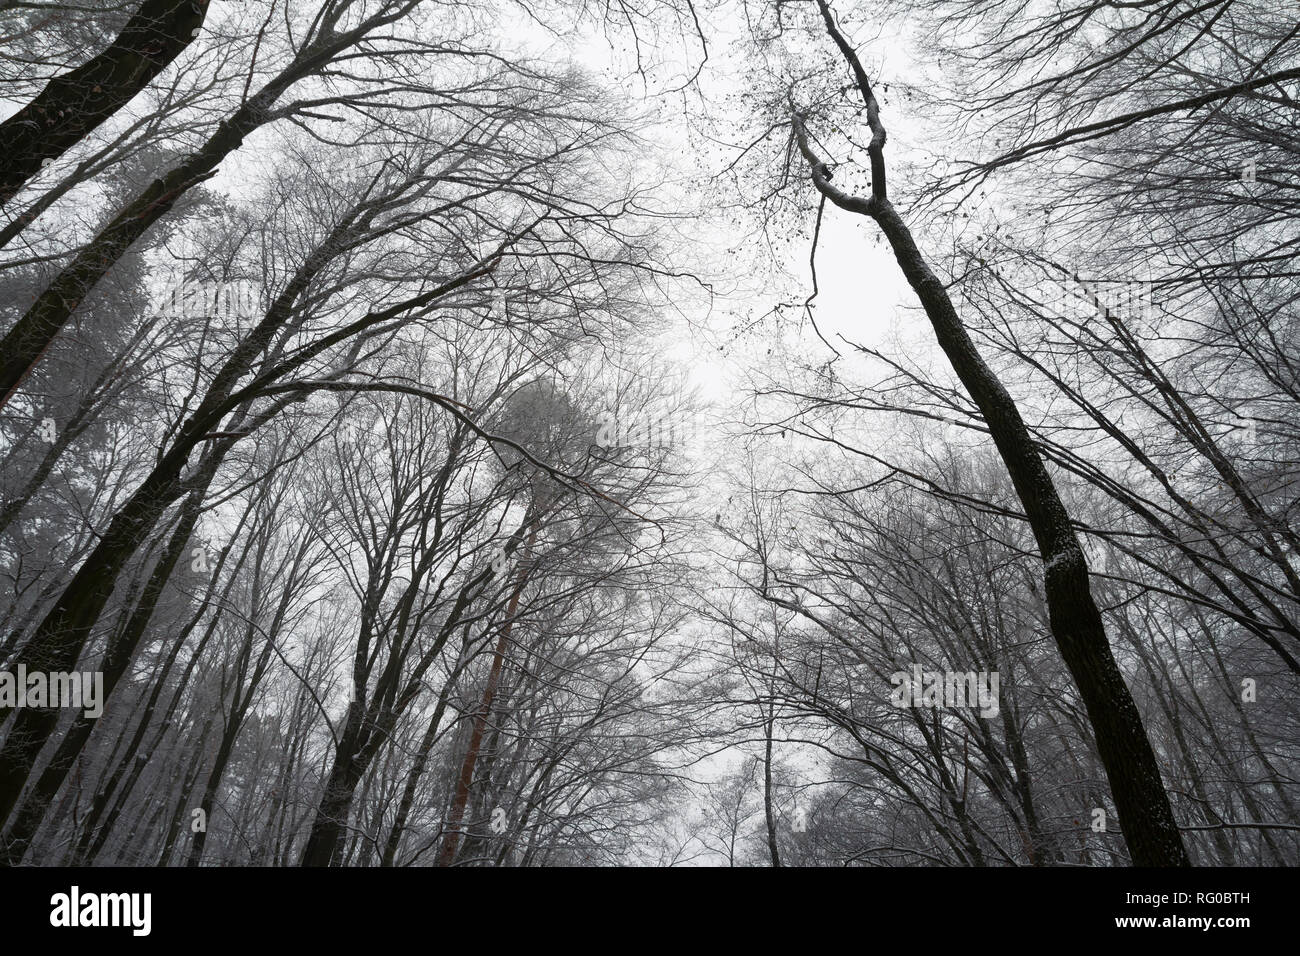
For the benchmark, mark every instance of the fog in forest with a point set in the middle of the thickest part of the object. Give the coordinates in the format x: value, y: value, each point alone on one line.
x: 768, y: 433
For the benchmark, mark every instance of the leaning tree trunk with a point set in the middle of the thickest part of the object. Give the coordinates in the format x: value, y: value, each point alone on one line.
x: 1141, y: 802
x: 73, y: 104
x: 28, y: 339
x: 117, y: 658
x: 407, y: 801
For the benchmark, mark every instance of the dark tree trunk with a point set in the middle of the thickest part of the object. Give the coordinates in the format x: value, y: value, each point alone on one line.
x: 73, y: 104
x: 118, y: 656
x: 1140, y: 798
x: 128, y: 771
x: 768, y: 813
x: 58, y: 641
x: 413, y: 779
x: 336, y: 803
x: 1141, y: 802
x: 228, y: 738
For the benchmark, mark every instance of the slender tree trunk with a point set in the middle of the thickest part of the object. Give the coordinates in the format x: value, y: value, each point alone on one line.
x: 190, y: 778
x: 227, y: 746
x: 1042, y: 849
x: 456, y: 814
x: 413, y: 779
x: 1146, y: 816
x: 768, y: 813
x: 133, y: 768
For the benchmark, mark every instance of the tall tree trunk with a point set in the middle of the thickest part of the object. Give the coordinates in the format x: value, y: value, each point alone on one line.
x: 413, y: 779
x: 1142, y: 804
x: 228, y: 737
x: 62, y: 634
x: 768, y: 812
x: 128, y: 767
x: 118, y: 656
x: 189, y: 778
x: 451, y: 838
x: 131, y: 766
x: 58, y: 641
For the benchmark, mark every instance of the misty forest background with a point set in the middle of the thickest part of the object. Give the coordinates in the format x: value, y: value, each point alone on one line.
x: 950, y: 333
